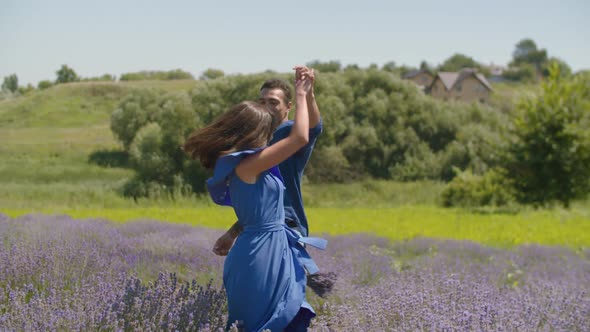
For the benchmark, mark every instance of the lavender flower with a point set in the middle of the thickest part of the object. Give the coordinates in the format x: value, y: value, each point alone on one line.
x: 57, y: 273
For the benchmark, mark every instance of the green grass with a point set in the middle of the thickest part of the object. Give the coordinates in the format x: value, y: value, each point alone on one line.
x: 547, y: 227
x: 373, y: 193
x: 48, y: 167
x: 76, y: 105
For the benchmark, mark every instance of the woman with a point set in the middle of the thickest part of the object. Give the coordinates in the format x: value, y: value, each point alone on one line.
x: 264, y: 274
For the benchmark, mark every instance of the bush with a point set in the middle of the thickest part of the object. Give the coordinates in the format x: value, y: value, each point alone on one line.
x: 44, y: 85
x: 152, y: 127
x: 147, y: 157
x: 469, y: 190
x: 109, y: 158
x: 420, y: 163
x: 133, y: 112
x: 10, y: 83
x: 66, y: 75
x: 211, y: 74
x: 375, y: 125
x: 103, y: 78
x: 523, y: 73
x: 548, y: 157
x: 328, y: 164
x: 157, y: 75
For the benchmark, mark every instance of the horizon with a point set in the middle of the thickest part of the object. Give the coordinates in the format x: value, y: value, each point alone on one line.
x: 116, y: 38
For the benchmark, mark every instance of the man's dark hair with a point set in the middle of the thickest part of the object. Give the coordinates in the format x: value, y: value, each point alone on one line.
x: 275, y: 83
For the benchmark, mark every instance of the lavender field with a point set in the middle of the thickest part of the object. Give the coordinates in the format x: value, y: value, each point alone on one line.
x: 57, y: 273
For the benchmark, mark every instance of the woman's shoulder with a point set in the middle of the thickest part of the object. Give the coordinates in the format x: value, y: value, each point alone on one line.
x: 224, y: 167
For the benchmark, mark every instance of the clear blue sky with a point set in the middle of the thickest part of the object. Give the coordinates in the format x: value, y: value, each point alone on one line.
x: 118, y: 36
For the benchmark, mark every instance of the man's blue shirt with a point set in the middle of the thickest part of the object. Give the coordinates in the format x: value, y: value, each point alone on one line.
x: 292, y: 172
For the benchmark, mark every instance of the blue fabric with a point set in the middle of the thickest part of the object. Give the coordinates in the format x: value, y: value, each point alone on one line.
x: 264, y: 272
x: 292, y: 171
x: 217, y: 185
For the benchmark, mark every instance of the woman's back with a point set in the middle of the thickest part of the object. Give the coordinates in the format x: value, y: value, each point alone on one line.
x: 260, y: 203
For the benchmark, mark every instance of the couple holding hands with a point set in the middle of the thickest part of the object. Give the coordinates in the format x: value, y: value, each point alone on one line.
x: 258, y: 156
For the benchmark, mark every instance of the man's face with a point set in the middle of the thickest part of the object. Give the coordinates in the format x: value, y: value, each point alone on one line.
x: 275, y: 100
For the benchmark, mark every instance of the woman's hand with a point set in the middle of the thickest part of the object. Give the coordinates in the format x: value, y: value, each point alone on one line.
x: 224, y: 244
x: 303, y: 80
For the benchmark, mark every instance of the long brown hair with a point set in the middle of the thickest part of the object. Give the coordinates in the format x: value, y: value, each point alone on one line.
x: 246, y: 125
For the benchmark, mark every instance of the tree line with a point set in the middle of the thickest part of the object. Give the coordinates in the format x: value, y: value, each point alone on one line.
x: 378, y: 126
x: 529, y: 64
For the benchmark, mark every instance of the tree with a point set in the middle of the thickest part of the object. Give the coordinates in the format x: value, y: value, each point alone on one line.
x: 523, y: 73
x: 564, y: 69
x: 10, y: 83
x: 132, y: 113
x: 45, y: 84
x: 211, y: 74
x: 352, y: 66
x: 152, y: 126
x: 144, y: 75
x: 403, y: 70
x: 390, y: 66
x: 325, y: 67
x: 457, y: 62
x: 178, y: 74
x: 424, y: 65
x: 526, y: 52
x: 23, y: 90
x: 549, y: 156
x: 65, y: 75
x: 104, y: 78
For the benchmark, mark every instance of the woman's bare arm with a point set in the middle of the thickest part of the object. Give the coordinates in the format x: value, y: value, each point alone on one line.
x: 249, y: 168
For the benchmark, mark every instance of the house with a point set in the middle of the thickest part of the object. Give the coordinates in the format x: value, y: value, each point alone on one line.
x: 423, y: 78
x: 466, y: 85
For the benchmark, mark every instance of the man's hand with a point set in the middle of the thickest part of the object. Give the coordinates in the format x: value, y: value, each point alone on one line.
x: 223, y: 244
x: 312, y: 106
x: 302, y: 81
x: 306, y: 72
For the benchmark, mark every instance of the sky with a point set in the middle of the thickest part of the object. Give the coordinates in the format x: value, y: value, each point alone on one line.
x: 119, y: 36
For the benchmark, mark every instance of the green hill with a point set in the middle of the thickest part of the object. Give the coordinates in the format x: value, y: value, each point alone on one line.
x: 75, y: 104
x: 48, y: 135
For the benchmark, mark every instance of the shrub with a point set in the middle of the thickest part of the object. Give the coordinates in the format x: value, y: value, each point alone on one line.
x: 109, y: 158
x: 328, y: 164
x: 469, y: 190
x: 548, y: 157
x: 157, y: 75
x: 44, y: 85
x: 133, y: 112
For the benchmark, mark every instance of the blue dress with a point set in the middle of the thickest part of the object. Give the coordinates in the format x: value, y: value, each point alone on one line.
x: 264, y: 272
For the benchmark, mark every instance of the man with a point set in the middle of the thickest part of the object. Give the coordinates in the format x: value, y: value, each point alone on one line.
x: 276, y: 94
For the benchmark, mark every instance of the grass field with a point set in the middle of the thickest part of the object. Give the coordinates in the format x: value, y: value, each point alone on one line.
x: 556, y: 227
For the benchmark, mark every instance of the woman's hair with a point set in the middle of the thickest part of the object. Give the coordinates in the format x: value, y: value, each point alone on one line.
x: 246, y: 125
